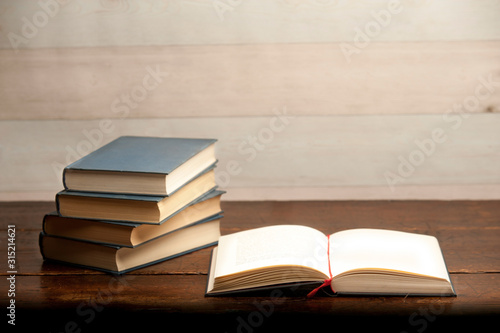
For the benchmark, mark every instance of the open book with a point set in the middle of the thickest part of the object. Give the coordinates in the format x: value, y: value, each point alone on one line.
x: 357, y: 261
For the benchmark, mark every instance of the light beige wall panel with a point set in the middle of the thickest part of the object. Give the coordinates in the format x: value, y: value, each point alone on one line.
x: 284, y: 157
x: 404, y: 192
x: 89, y: 23
x: 247, y: 80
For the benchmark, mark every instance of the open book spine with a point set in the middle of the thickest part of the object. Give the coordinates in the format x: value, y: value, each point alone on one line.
x: 327, y: 282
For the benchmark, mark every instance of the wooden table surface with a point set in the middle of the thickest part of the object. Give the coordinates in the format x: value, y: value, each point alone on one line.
x: 60, y: 298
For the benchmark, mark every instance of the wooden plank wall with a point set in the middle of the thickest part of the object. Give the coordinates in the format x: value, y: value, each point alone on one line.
x: 309, y: 99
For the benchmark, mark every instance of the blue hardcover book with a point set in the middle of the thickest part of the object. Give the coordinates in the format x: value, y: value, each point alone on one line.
x: 131, y: 207
x: 132, y: 234
x: 141, y: 165
x: 119, y: 260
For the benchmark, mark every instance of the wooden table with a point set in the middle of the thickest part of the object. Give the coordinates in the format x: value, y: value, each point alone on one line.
x: 59, y: 298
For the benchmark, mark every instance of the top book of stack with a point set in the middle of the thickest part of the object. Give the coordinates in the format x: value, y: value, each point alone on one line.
x: 141, y: 165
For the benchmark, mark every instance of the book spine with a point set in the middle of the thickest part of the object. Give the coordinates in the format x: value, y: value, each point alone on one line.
x: 57, y: 205
x: 40, y: 244
x: 64, y: 179
x: 43, y: 223
x: 116, y: 272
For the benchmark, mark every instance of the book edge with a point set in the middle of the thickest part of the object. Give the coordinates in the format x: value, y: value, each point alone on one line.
x: 275, y: 286
x: 132, y: 268
x: 71, y: 166
x: 204, y: 220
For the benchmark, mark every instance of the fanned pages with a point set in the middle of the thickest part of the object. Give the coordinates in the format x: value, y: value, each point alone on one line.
x: 357, y: 261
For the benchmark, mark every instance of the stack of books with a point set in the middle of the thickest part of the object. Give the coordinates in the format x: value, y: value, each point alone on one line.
x: 134, y: 202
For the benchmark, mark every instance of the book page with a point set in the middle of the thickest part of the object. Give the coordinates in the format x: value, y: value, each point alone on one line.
x: 386, y: 249
x: 272, y: 246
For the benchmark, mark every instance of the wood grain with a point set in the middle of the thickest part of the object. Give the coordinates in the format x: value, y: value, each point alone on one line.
x: 158, y: 292
x: 225, y: 68
x: 457, y: 225
x: 308, y: 158
x: 248, y: 80
x: 53, y: 295
x: 91, y: 23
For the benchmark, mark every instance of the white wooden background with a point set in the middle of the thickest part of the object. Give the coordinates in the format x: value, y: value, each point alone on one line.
x: 310, y: 99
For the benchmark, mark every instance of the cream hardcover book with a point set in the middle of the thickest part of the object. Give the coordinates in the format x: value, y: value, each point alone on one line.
x: 356, y: 261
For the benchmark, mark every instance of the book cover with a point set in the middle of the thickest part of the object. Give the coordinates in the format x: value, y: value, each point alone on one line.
x: 119, y: 260
x: 132, y: 207
x: 126, y: 228
x: 141, y: 165
x: 142, y: 154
